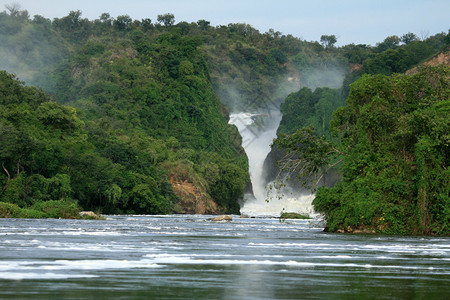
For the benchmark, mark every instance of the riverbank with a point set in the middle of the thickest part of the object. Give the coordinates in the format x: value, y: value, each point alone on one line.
x: 56, y: 209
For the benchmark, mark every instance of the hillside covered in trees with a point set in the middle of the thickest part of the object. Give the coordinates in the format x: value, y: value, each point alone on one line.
x: 393, y: 144
x: 130, y: 116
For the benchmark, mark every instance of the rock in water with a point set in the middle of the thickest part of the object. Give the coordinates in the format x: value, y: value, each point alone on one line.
x: 221, y: 218
x: 89, y: 214
x: 293, y: 215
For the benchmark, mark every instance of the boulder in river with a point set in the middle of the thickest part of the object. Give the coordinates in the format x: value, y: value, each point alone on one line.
x: 221, y: 218
x: 89, y: 215
x: 293, y: 215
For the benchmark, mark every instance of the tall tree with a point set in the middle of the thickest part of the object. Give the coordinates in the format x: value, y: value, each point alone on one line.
x: 166, y: 19
x: 328, y: 41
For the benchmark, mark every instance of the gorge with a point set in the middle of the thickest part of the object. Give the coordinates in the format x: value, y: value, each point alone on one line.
x: 258, y: 130
x: 164, y: 129
x: 124, y: 116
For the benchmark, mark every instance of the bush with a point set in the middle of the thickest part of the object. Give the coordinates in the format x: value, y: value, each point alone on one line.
x: 66, y: 209
x: 9, y: 210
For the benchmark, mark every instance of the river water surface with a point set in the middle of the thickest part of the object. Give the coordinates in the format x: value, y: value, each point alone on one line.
x: 189, y: 257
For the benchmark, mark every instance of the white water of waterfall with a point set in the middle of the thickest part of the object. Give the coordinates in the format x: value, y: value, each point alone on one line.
x: 258, y: 131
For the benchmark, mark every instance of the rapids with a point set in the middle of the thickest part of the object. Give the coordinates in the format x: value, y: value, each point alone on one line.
x: 189, y: 257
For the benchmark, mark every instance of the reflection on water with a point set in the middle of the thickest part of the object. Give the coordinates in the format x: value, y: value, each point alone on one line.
x: 179, y: 257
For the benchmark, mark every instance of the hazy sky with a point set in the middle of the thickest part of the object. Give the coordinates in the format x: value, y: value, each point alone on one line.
x: 352, y: 21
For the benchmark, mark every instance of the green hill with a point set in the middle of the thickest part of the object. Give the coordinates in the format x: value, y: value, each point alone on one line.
x: 132, y: 115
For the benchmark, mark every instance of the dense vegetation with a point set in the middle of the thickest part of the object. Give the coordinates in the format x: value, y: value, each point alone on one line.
x: 307, y: 107
x: 48, y: 154
x: 389, y: 140
x: 131, y: 108
x: 145, y: 118
x: 146, y: 115
x: 395, y: 132
x: 394, y: 144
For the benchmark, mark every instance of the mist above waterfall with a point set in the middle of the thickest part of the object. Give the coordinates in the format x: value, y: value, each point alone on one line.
x: 258, y: 128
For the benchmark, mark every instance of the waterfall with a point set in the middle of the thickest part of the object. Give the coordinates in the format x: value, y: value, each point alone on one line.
x: 258, y: 129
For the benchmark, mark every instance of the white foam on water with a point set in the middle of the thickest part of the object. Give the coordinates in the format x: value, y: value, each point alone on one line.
x: 293, y: 245
x: 17, y: 270
x: 68, y: 233
x: 392, y: 249
x: 89, y: 264
x: 189, y: 260
x: 333, y: 257
x: 29, y: 275
x: 100, y: 264
x: 274, y: 206
x: 167, y: 259
x: 92, y: 233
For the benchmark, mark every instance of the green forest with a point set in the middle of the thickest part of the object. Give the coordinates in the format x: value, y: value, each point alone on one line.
x: 117, y: 115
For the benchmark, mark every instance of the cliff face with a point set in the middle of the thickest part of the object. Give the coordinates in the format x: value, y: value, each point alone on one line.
x: 442, y: 58
x: 193, y: 198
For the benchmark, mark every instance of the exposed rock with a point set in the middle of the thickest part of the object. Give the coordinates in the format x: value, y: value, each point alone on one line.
x: 442, y: 58
x: 359, y: 230
x: 244, y: 216
x: 364, y: 231
x: 221, y: 218
x: 293, y: 215
x: 355, y: 67
x: 193, y: 198
x: 90, y: 214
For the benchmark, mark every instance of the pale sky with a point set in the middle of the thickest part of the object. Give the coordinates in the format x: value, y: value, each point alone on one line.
x: 352, y: 21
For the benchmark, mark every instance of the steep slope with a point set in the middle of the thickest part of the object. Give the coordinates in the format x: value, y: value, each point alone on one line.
x: 442, y: 58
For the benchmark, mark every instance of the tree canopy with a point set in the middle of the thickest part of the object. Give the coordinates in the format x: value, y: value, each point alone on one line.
x: 131, y: 110
x: 395, y: 151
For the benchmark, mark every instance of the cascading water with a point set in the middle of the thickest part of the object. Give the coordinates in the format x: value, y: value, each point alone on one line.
x: 258, y: 131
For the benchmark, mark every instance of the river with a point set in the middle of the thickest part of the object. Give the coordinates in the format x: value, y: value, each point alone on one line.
x: 189, y: 257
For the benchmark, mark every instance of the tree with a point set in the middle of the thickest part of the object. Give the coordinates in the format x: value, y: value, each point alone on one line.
x: 391, y: 42
x: 307, y: 157
x: 14, y: 9
x: 106, y: 18
x: 15, y: 147
x: 408, y: 38
x: 166, y: 19
x: 394, y: 130
x: 203, y: 24
x: 146, y: 23
x: 58, y: 116
x: 123, y: 22
x: 328, y: 41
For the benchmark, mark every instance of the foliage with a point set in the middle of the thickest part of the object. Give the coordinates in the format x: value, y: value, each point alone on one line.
x: 9, y: 210
x: 58, y: 209
x: 140, y: 96
x: 305, y: 107
x: 43, y: 209
x: 30, y: 48
x: 141, y: 99
x: 390, y: 56
x: 328, y: 41
x: 47, y: 155
x: 305, y: 145
x: 396, y: 177
x: 307, y: 157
